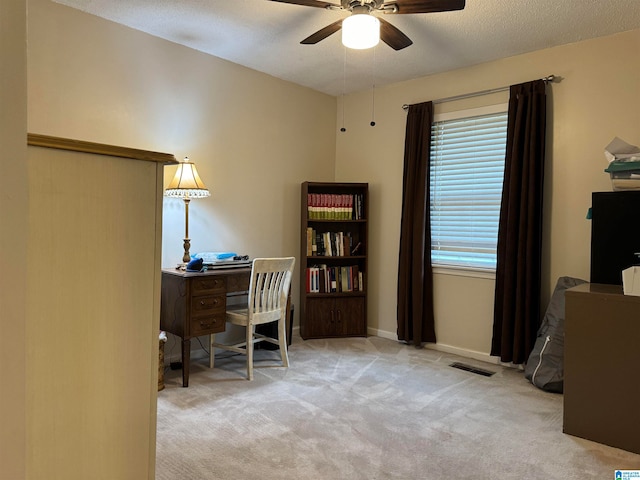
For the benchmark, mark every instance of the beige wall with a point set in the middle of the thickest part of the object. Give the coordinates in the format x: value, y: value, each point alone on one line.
x: 13, y: 234
x: 92, y: 320
x: 597, y: 99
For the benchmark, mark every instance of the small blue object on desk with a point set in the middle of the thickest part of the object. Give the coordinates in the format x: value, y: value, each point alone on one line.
x: 195, y: 265
x: 210, y: 257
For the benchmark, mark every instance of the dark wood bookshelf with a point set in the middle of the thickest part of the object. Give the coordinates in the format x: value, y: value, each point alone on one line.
x: 333, y: 287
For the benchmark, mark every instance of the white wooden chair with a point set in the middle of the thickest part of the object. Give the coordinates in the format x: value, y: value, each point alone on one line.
x: 267, y: 302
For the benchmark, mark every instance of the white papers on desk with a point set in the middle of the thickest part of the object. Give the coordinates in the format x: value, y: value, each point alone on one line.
x: 228, y: 264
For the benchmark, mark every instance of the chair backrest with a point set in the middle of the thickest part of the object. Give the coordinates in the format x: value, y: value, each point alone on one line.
x: 269, y: 288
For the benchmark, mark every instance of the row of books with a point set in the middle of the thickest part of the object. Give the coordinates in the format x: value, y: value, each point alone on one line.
x: 332, y: 244
x: 324, y: 279
x: 334, y: 206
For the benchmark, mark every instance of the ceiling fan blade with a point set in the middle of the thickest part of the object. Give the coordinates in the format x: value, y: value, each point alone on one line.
x: 322, y: 33
x: 392, y: 36
x: 309, y: 3
x: 424, y: 6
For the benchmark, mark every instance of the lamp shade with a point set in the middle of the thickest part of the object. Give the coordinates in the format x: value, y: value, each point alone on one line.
x: 360, y: 31
x: 187, y: 183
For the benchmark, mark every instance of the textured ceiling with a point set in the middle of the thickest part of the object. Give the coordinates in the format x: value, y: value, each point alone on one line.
x: 265, y: 35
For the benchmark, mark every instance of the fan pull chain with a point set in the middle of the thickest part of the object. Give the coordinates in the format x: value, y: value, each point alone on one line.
x: 373, y: 106
x: 344, y: 86
x: 373, y: 90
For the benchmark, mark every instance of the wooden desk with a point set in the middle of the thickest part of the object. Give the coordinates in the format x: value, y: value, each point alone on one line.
x: 601, y: 360
x: 195, y: 304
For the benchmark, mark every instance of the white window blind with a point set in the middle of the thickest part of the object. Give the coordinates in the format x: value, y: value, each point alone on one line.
x: 467, y: 169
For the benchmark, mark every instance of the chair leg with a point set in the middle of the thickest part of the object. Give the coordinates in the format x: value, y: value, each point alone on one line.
x: 250, y: 352
x: 282, y: 341
x: 212, y: 353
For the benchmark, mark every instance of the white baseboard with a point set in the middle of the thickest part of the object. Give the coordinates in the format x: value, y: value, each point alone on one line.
x: 440, y: 347
x: 463, y: 352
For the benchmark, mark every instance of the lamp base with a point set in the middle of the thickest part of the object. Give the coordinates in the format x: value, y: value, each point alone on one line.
x: 186, y: 258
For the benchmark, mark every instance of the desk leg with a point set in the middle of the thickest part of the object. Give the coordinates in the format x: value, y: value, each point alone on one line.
x: 186, y: 358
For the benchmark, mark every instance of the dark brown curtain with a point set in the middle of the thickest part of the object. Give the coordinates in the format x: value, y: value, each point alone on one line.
x: 517, y: 295
x: 415, y: 279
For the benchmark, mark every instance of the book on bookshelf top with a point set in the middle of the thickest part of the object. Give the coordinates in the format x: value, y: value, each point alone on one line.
x: 334, y: 206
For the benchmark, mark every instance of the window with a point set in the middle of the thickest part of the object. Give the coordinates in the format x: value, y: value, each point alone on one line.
x: 467, y: 170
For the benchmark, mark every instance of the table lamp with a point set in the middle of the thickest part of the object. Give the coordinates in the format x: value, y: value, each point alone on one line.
x: 186, y: 184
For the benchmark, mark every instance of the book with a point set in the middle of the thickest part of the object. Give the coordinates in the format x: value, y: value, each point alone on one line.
x: 355, y: 278
x: 309, y: 241
x: 313, y: 280
x: 322, y: 279
x: 344, y: 279
x: 346, y: 244
x: 334, y: 284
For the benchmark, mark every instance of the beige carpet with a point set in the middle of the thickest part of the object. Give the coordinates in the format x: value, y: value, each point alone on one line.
x: 368, y: 409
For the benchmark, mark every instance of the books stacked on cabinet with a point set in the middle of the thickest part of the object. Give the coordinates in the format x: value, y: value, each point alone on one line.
x: 334, y: 206
x: 340, y: 279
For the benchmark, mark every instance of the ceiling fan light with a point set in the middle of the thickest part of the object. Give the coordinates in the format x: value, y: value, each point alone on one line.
x: 360, y: 31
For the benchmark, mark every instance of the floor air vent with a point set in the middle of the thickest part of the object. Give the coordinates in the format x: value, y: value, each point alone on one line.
x: 469, y: 368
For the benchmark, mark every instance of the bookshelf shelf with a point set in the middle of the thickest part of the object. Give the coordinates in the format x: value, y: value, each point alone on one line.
x: 339, y: 294
x: 333, y: 252
x: 336, y: 257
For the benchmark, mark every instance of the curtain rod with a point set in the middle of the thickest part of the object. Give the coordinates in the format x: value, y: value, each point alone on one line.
x: 547, y: 79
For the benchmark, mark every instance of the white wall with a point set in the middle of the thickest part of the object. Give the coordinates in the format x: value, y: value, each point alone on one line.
x: 14, y: 211
x: 597, y: 98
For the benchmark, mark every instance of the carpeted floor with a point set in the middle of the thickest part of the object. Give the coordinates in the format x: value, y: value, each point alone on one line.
x: 368, y: 408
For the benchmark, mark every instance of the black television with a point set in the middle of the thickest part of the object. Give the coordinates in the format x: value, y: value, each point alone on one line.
x: 615, y: 235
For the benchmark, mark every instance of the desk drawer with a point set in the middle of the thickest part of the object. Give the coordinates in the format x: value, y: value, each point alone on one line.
x: 206, y: 304
x: 239, y: 283
x: 204, y: 284
x: 208, y: 324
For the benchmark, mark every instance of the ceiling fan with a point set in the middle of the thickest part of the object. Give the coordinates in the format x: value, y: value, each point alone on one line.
x: 365, y: 8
